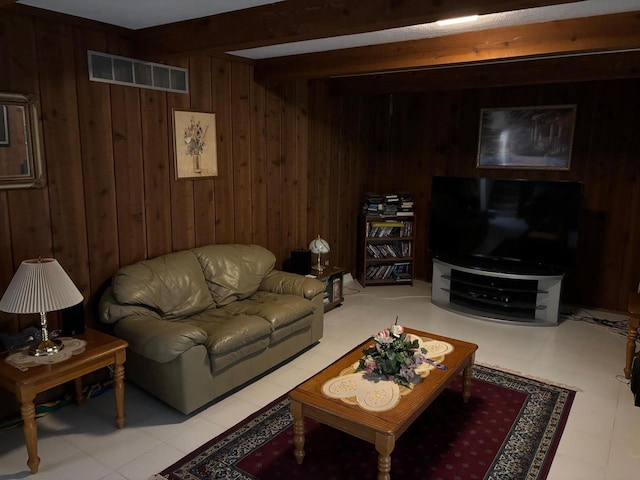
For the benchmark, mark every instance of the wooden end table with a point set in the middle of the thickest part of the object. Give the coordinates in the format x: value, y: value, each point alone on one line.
x: 101, y: 351
x: 307, y: 400
x: 333, y: 279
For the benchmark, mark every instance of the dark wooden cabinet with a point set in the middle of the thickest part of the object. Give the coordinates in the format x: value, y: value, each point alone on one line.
x: 333, y: 279
x: 385, y: 250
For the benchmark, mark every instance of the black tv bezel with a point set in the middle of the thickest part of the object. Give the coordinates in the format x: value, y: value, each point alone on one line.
x: 507, y: 264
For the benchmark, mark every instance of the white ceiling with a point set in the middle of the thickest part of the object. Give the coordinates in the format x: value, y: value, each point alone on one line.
x: 136, y: 14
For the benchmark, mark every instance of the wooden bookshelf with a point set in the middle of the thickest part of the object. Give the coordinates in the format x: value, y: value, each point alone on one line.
x: 386, y: 250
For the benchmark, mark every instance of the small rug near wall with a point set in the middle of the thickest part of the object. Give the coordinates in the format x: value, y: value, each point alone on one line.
x: 618, y: 326
x: 509, y: 430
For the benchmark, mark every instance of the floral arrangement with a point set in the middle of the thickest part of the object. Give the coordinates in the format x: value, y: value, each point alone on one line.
x: 394, y: 356
x: 194, y: 136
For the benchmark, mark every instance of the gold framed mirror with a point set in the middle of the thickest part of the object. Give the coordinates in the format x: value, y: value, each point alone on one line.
x: 20, y: 149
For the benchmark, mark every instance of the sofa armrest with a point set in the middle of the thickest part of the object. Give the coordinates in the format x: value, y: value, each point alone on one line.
x: 277, y: 281
x: 110, y: 311
x: 158, y: 340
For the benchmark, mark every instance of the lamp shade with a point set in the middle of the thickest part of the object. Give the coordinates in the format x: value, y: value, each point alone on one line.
x: 40, y: 285
x: 319, y: 245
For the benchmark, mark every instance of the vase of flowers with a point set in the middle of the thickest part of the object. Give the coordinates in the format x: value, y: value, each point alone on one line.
x: 196, y: 163
x: 194, y: 135
x: 393, y: 356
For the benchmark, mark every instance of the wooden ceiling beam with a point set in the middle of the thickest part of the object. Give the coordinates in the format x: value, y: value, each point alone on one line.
x: 582, y: 35
x: 293, y: 21
x: 588, y: 67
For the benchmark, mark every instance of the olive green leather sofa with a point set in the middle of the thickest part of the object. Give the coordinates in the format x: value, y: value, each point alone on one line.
x: 204, y: 321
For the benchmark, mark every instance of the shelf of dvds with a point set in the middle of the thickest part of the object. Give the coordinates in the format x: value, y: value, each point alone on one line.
x: 385, y: 249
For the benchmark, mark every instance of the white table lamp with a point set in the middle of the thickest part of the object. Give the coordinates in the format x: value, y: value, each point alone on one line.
x: 40, y: 285
x: 319, y: 246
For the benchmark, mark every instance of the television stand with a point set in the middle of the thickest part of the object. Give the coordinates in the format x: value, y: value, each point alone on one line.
x: 528, y: 299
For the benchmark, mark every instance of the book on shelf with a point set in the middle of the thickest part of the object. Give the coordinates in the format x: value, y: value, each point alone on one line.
x: 402, y: 277
x: 389, y: 228
x: 385, y: 250
x: 388, y: 204
x: 373, y: 197
x: 387, y: 223
x: 397, y: 271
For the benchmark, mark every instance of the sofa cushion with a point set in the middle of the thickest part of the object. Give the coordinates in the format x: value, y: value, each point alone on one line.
x: 226, y: 332
x: 278, y: 310
x: 231, y: 338
x: 172, y: 285
x: 234, y: 272
x: 157, y: 340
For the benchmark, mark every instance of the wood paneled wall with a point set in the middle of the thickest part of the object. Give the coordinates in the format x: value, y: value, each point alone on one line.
x: 294, y: 162
x: 405, y: 139
x: 110, y: 197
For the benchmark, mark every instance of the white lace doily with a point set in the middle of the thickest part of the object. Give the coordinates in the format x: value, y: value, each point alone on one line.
x: 378, y: 394
x: 22, y: 360
x: 372, y: 395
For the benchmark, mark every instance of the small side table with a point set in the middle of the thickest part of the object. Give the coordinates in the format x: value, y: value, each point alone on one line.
x: 333, y: 279
x: 101, y: 351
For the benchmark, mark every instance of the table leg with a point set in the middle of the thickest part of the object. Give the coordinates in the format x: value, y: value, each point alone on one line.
x: 298, y: 430
x: 118, y: 390
x: 30, y: 429
x: 384, y: 446
x: 466, y: 382
x: 77, y: 383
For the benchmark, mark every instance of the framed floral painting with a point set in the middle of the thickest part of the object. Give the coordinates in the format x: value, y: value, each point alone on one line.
x: 194, y: 138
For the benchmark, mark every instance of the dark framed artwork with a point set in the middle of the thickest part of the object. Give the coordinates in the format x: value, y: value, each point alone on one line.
x: 539, y: 137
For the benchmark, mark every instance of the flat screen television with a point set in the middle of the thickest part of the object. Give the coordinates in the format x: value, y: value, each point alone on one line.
x: 510, y: 225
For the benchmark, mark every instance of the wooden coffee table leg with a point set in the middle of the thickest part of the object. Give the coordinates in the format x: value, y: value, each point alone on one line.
x: 30, y: 429
x: 298, y: 430
x: 118, y: 390
x: 466, y: 382
x: 77, y: 383
x: 384, y: 446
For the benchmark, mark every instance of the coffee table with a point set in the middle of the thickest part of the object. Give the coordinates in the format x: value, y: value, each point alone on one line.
x: 101, y: 351
x: 380, y: 429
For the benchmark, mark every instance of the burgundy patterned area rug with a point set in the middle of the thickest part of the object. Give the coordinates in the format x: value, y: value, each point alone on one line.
x: 509, y: 429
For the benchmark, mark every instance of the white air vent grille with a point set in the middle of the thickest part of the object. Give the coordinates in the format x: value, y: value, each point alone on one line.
x: 104, y: 67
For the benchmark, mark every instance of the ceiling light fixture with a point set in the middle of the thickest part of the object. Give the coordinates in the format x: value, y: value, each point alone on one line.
x: 454, y: 21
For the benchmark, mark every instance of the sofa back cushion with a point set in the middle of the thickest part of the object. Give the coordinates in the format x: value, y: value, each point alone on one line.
x: 234, y: 272
x: 172, y: 285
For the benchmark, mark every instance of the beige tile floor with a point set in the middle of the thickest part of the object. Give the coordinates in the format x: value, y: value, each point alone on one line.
x: 601, y: 441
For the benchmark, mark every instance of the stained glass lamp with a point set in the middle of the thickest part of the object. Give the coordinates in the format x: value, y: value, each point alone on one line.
x: 319, y: 246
